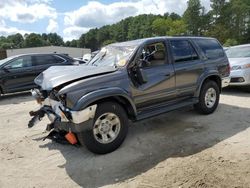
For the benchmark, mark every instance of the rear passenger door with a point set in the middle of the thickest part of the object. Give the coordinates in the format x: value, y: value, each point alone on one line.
x: 43, y: 62
x: 188, y: 66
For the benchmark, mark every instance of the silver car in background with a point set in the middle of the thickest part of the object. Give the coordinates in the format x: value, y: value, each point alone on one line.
x: 239, y: 59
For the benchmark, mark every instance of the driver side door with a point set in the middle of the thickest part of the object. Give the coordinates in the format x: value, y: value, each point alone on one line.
x: 159, y: 72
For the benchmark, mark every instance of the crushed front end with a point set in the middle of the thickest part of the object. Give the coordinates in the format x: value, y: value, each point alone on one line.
x: 62, y: 118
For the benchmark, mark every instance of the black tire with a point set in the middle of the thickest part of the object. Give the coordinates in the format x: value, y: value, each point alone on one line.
x: 201, y: 106
x: 247, y: 89
x: 88, y: 139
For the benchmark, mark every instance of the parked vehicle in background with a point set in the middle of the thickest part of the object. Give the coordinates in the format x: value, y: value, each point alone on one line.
x: 131, y: 81
x: 79, y: 60
x: 86, y: 57
x: 239, y: 59
x: 17, y: 73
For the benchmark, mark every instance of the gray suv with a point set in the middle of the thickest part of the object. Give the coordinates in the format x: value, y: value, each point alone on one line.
x: 131, y: 81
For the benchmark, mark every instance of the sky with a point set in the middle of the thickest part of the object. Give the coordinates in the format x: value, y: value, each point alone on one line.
x: 71, y: 18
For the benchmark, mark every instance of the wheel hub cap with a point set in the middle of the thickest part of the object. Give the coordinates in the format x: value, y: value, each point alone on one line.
x: 210, y: 97
x: 106, y: 128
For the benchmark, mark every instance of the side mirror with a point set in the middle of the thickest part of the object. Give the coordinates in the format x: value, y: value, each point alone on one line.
x: 141, y: 76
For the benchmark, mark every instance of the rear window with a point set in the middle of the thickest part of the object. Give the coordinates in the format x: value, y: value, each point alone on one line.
x: 58, y: 59
x: 183, y: 51
x: 44, y: 60
x: 67, y: 58
x: 211, y: 48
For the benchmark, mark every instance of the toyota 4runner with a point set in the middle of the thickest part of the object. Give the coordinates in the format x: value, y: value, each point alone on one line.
x: 131, y: 80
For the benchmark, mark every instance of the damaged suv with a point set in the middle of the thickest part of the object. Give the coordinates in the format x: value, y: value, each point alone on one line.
x: 131, y: 81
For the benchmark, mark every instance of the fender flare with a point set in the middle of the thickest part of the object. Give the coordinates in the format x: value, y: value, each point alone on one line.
x: 93, y: 96
x: 203, y: 78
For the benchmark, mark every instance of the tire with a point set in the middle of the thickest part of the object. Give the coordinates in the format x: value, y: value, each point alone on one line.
x: 247, y: 89
x: 94, y: 139
x: 210, y: 105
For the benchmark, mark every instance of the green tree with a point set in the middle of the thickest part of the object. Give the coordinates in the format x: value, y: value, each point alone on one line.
x: 107, y: 42
x: 192, y: 17
x: 16, y: 40
x: 160, y: 26
x: 174, y: 16
x: 54, y: 39
x: 231, y: 42
x: 73, y: 43
x: 33, y: 40
x: 217, y: 7
x: 177, y: 27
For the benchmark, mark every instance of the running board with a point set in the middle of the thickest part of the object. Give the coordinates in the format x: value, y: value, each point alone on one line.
x: 144, y: 114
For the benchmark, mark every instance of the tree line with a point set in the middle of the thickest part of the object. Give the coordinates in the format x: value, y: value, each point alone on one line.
x: 228, y: 21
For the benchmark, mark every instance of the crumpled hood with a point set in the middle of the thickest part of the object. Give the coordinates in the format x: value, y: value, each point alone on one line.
x: 57, y: 75
x: 238, y: 61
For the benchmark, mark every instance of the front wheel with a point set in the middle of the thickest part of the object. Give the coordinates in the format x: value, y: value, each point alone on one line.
x: 108, y: 131
x: 209, y: 98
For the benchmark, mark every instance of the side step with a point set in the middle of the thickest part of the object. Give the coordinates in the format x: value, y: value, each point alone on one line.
x: 164, y: 108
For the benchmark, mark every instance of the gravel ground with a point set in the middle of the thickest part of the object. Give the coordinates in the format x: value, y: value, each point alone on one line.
x: 178, y: 149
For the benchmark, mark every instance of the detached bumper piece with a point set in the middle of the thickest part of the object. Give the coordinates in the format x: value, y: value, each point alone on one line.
x: 64, y: 123
x: 62, y: 137
x: 38, y: 115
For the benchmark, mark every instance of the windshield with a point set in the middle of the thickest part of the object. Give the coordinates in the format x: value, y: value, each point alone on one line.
x: 238, y: 52
x: 112, y: 55
x: 5, y: 60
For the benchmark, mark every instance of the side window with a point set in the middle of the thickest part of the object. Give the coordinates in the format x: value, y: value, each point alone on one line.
x: 58, y: 59
x: 154, y: 54
x: 183, y: 51
x: 21, y: 62
x: 44, y: 60
x: 211, y: 48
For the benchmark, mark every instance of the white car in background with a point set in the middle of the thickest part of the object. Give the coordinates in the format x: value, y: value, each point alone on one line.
x: 239, y: 59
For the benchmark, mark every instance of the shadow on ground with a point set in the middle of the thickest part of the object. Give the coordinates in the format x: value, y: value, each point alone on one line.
x: 176, y: 134
x: 16, y: 98
x: 236, y: 91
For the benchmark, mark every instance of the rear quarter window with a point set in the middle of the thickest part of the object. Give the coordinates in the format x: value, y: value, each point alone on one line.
x: 183, y: 51
x: 211, y: 48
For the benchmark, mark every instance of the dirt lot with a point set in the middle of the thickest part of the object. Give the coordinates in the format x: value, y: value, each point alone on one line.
x: 179, y: 149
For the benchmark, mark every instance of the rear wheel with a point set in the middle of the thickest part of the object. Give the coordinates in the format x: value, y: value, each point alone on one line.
x: 209, y: 98
x: 108, y: 131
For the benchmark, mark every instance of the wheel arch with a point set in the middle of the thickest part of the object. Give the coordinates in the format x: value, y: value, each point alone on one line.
x: 212, y: 77
x: 111, y: 94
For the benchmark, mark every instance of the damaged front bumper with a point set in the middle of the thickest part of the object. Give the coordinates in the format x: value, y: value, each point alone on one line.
x: 61, y: 117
